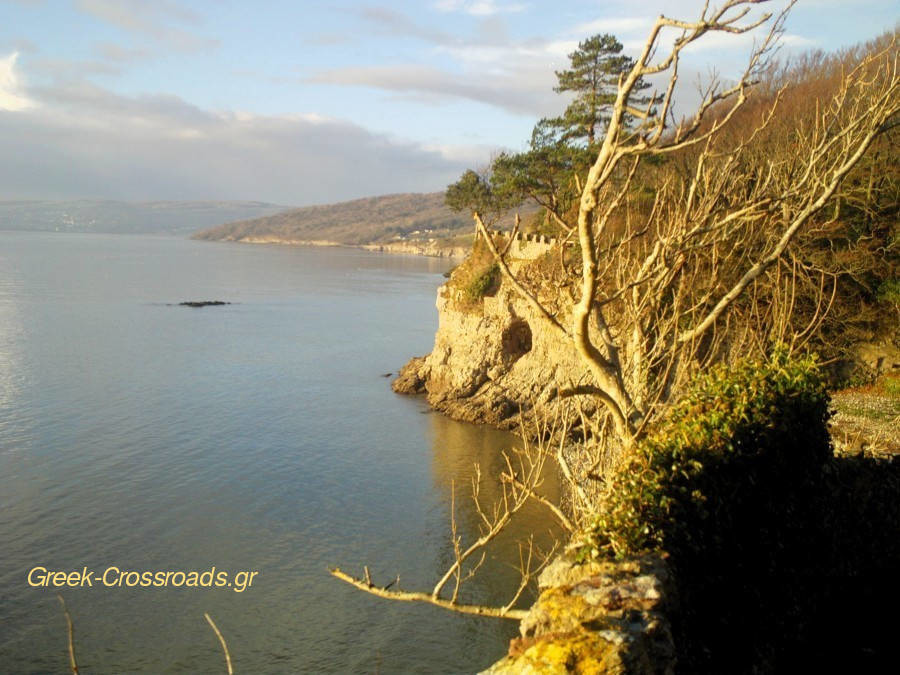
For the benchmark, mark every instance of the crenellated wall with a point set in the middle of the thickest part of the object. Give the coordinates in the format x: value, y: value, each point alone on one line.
x: 526, y: 246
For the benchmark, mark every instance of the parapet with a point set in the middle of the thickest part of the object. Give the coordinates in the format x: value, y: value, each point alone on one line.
x: 526, y: 246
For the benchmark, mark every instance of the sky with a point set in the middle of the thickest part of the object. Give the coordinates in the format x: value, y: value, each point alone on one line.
x: 305, y: 102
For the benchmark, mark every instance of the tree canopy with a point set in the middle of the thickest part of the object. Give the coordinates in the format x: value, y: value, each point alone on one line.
x: 560, y: 147
x: 593, y: 78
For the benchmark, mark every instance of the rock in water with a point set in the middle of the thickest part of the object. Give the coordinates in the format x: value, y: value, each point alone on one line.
x: 202, y: 303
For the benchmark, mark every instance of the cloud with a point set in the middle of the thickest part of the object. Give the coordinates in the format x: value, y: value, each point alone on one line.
x: 21, y: 45
x: 152, y: 19
x: 396, y: 23
x: 521, y: 92
x: 136, y: 15
x: 119, y: 54
x: 12, y: 97
x: 534, y: 54
x: 472, y: 155
x: 490, y: 29
x: 84, y: 141
x: 478, y: 7
x: 743, y: 42
x: 487, y: 67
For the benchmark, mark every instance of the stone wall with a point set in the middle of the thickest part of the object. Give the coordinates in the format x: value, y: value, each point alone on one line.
x: 526, y: 246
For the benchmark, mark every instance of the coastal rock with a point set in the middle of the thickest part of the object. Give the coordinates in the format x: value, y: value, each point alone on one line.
x: 202, y: 303
x: 493, y: 359
x: 880, y: 357
x: 597, y: 617
x: 411, y: 378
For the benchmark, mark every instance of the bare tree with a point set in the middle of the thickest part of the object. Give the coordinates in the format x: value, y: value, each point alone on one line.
x: 659, y: 289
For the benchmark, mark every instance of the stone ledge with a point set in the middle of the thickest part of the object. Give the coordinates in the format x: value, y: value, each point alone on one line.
x: 598, y: 617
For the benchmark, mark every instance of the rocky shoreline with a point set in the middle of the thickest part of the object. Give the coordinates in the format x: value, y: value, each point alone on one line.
x: 431, y: 249
x: 494, y: 358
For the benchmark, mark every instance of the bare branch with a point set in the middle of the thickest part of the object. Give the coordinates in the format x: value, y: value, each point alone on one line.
x: 221, y: 637
x: 73, y: 664
x: 407, y: 596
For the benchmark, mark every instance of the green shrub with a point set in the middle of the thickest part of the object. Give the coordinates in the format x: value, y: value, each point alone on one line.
x: 483, y: 284
x: 774, y: 542
x: 889, y: 292
x: 476, y: 276
x: 736, y: 422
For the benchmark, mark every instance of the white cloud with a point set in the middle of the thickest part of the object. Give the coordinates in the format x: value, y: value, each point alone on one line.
x: 120, y: 54
x: 153, y: 19
x: 537, y: 53
x: 136, y: 15
x: 467, y: 155
x: 84, y: 141
x: 11, y: 96
x: 516, y: 88
x: 718, y: 41
x: 479, y: 7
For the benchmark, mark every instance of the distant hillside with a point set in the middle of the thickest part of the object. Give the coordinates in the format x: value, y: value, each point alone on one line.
x: 386, y: 219
x: 126, y: 217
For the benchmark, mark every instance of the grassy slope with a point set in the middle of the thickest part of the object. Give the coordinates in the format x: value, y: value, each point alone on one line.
x: 361, y: 221
x: 412, y: 217
x: 867, y: 418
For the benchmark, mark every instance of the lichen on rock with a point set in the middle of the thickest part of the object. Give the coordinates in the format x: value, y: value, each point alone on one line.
x: 597, y: 617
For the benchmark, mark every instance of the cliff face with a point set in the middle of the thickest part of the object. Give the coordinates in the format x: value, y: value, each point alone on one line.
x: 435, y: 248
x: 494, y: 356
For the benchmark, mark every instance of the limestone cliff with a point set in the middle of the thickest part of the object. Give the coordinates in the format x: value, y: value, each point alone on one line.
x: 434, y: 248
x: 493, y: 356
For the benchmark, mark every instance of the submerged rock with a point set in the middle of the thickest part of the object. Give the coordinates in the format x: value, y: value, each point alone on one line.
x: 202, y: 303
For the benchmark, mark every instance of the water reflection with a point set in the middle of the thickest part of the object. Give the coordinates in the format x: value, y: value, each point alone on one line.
x: 13, y: 370
x: 457, y: 449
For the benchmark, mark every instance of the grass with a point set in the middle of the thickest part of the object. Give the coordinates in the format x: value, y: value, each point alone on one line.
x: 866, y: 418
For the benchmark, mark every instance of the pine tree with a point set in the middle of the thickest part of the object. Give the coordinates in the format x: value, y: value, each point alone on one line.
x: 593, y: 77
x: 560, y: 147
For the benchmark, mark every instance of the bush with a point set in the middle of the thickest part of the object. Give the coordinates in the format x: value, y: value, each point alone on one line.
x: 730, y: 487
x: 483, y: 284
x: 773, y: 541
x: 477, y: 276
x: 742, y: 423
x: 889, y: 292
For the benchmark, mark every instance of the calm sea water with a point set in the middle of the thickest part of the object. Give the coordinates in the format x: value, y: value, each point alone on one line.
x: 257, y: 436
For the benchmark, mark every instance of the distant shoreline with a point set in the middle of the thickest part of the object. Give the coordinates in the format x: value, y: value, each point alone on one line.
x: 431, y: 249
